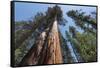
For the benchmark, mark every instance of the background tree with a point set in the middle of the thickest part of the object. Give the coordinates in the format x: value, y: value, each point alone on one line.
x: 72, y: 30
x: 84, y: 42
x: 82, y: 20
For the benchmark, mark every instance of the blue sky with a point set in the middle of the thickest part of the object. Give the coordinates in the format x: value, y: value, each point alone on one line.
x: 25, y: 11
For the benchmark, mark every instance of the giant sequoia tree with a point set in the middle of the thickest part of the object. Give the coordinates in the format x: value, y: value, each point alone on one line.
x: 47, y: 49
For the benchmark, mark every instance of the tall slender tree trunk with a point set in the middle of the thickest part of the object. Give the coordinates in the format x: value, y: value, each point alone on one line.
x: 32, y: 57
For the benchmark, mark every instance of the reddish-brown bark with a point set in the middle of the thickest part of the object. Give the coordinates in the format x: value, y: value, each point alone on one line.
x: 54, y: 49
x: 48, y: 52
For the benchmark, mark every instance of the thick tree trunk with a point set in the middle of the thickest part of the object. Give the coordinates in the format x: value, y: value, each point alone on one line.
x: 54, y: 55
x: 47, y: 50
